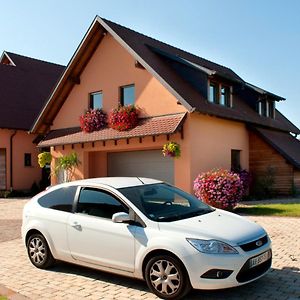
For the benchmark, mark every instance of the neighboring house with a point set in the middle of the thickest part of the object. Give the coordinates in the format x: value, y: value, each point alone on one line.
x: 25, y: 84
x: 218, y: 119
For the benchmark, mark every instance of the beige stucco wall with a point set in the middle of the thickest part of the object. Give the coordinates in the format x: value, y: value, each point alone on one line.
x: 23, y: 177
x: 211, y: 141
x: 111, y: 67
x: 207, y: 141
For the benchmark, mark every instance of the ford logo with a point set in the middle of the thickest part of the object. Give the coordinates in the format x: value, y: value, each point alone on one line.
x: 258, y: 243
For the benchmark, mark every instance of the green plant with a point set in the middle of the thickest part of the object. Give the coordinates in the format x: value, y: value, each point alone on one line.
x: 171, y: 149
x: 44, y: 158
x: 67, y: 163
x: 263, y: 185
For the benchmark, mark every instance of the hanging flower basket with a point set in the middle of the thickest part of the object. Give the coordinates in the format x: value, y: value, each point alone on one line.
x: 93, y: 120
x: 171, y: 149
x: 123, y: 118
x: 44, y: 158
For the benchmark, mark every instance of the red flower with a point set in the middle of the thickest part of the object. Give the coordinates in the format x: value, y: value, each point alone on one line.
x: 123, y: 118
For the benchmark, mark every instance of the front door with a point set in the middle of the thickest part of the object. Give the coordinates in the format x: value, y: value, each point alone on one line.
x: 92, y: 235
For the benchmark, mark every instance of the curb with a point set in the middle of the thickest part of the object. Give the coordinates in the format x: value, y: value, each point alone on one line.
x: 10, y: 294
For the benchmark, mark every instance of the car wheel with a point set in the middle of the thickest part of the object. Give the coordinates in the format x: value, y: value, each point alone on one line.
x: 39, y: 252
x: 167, y: 278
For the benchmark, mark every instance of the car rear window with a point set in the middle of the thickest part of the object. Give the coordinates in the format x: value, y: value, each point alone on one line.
x: 60, y: 199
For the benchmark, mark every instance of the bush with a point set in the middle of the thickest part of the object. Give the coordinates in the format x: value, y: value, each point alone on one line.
x: 93, y: 120
x: 123, y: 118
x: 263, y: 185
x: 246, y: 180
x: 219, y: 188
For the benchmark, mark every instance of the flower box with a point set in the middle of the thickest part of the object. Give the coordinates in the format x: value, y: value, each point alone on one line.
x: 123, y: 118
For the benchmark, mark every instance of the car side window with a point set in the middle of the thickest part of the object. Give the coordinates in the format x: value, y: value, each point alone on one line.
x: 99, y: 203
x: 60, y: 199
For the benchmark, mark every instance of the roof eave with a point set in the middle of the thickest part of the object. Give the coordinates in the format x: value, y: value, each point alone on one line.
x: 38, y: 121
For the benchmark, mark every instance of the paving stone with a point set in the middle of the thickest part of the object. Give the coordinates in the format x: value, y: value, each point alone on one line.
x: 66, y: 281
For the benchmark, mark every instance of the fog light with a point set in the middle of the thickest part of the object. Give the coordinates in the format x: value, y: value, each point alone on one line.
x: 217, y: 274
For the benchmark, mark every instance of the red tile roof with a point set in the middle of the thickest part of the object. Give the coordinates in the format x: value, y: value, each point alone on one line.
x: 147, y: 127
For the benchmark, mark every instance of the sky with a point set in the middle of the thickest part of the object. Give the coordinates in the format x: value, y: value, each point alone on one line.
x: 258, y: 39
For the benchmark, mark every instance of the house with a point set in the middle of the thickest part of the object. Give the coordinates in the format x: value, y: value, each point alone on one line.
x: 218, y: 119
x: 25, y: 83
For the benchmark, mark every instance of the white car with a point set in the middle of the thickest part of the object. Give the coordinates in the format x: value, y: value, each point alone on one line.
x: 147, y: 229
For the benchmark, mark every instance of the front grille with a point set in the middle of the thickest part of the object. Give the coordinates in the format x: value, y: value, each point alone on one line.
x: 255, y: 244
x: 247, y: 273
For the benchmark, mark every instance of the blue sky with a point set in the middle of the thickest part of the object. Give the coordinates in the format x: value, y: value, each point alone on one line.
x: 258, y: 39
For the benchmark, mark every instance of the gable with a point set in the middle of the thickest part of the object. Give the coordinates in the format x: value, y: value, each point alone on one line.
x: 111, y: 67
x: 177, y: 77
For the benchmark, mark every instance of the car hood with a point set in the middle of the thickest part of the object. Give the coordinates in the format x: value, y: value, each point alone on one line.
x: 220, y: 225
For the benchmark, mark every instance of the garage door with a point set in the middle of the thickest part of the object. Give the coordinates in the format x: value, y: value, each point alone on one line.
x: 150, y: 163
x: 2, y: 169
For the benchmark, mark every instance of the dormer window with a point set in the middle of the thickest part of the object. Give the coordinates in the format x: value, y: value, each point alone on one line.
x: 219, y: 94
x: 225, y: 95
x: 213, y: 93
x: 266, y: 108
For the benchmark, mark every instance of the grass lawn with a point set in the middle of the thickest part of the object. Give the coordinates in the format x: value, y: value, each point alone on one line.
x: 280, y: 210
x: 3, y: 298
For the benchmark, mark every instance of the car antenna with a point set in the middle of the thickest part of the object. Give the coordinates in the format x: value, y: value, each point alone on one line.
x: 140, y: 180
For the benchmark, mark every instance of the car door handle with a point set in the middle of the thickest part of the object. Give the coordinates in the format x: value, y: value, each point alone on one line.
x: 76, y: 225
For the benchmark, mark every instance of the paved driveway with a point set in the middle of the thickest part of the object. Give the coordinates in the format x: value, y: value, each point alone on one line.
x: 66, y: 281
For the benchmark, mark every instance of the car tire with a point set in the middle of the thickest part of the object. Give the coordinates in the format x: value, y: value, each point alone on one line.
x: 39, y: 252
x: 166, y: 277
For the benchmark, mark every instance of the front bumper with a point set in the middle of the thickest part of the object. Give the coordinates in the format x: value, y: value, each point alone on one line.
x: 200, y: 263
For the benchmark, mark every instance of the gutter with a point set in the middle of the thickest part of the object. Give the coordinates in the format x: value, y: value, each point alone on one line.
x: 11, y: 158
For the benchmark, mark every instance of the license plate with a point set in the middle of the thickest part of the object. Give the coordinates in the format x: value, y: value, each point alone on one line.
x: 257, y: 260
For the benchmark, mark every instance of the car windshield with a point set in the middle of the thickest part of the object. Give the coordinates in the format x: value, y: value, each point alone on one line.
x: 164, y: 203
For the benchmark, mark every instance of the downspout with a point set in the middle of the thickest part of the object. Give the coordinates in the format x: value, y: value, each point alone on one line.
x: 11, y: 159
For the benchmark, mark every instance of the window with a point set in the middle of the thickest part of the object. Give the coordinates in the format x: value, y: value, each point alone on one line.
x: 127, y: 94
x: 219, y: 94
x: 98, y: 203
x: 271, y: 109
x: 60, y: 199
x: 27, y: 160
x: 225, y: 95
x: 266, y: 108
x: 213, y: 92
x: 96, y: 100
x: 235, y: 160
x: 163, y: 203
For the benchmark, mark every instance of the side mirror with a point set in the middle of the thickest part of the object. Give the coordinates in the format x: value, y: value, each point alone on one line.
x: 120, y: 217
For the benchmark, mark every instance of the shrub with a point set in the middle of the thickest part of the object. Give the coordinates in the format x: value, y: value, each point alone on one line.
x: 171, y: 149
x: 93, y: 120
x: 123, y: 118
x: 219, y: 188
x: 264, y: 184
x: 246, y: 180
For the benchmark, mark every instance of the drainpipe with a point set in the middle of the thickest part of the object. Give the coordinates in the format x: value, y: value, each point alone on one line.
x: 11, y: 159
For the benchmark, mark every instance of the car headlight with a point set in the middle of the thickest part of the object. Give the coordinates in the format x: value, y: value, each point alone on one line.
x: 212, y: 246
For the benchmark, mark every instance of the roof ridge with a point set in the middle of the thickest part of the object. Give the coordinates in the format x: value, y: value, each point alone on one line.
x: 169, y: 45
x: 36, y: 59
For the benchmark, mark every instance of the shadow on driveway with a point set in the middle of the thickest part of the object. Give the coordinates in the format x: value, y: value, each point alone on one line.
x: 276, y: 284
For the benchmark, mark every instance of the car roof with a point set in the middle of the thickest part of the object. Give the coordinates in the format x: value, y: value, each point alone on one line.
x: 114, y: 182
